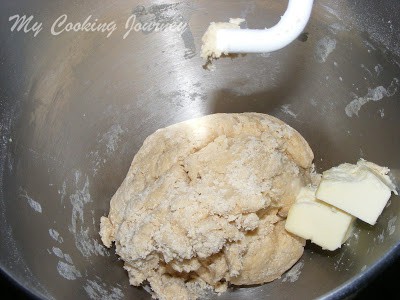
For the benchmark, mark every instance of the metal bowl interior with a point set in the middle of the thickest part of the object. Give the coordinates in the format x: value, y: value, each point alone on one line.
x: 76, y: 107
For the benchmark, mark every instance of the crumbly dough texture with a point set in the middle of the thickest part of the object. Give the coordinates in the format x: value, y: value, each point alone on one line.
x: 204, y: 204
x: 209, y: 50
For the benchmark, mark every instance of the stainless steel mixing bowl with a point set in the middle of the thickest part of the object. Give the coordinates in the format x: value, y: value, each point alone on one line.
x: 76, y: 107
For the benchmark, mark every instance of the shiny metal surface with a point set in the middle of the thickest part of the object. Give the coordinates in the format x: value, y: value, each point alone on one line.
x: 76, y: 107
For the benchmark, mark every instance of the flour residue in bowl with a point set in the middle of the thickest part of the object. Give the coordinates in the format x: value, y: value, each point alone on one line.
x: 68, y: 271
x: 85, y: 244
x: 391, y: 227
x: 287, y: 110
x: 111, y: 138
x: 65, y: 266
x: 374, y: 94
x: 378, y: 69
x: 107, y: 144
x: 324, y: 48
x: 98, y: 290
x: 293, y: 274
x: 366, y: 70
x: 381, y: 237
x: 337, y: 27
x: 59, y: 253
x: 32, y: 203
x: 55, y: 235
x: 62, y: 192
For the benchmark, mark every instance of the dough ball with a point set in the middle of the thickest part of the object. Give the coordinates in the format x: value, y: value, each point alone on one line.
x: 204, y: 204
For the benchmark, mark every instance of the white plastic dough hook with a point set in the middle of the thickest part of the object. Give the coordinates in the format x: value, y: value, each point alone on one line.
x: 236, y: 40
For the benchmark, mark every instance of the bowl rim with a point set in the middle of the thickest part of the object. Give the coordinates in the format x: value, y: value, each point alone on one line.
x: 360, y: 281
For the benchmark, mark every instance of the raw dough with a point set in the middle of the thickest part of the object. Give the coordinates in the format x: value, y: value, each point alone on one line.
x: 209, y: 50
x: 204, y: 203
